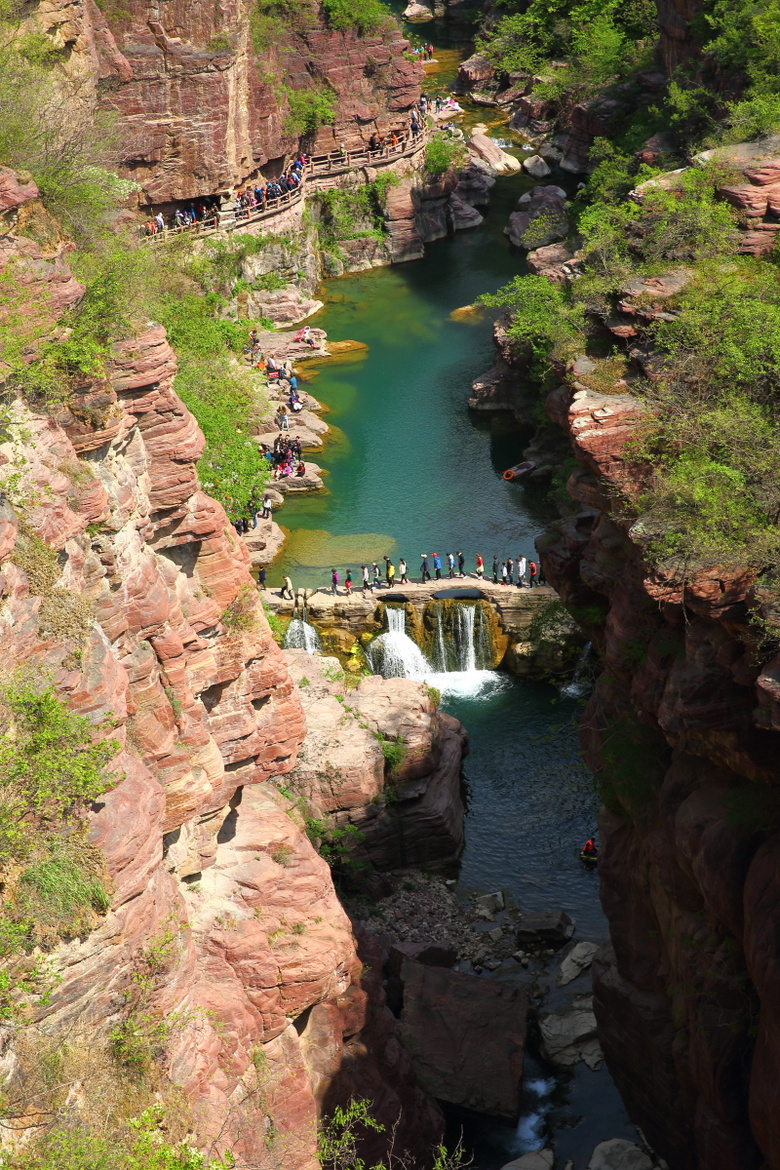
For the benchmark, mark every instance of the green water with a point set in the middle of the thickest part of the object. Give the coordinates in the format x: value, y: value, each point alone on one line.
x: 407, y: 469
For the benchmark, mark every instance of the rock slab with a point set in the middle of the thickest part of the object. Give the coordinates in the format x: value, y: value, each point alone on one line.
x: 466, y: 1036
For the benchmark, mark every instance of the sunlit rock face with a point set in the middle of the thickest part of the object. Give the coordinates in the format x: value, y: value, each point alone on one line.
x: 200, y: 109
x: 210, y: 867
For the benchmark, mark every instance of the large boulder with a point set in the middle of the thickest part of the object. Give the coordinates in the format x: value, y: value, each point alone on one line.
x: 571, y: 1037
x: 481, y: 147
x: 541, y: 219
x: 576, y: 961
x: 551, y: 929
x: 537, y: 167
x: 538, y: 1160
x: 466, y: 1036
x: 619, y: 1154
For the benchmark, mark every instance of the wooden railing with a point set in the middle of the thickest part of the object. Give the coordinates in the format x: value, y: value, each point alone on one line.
x: 320, y: 166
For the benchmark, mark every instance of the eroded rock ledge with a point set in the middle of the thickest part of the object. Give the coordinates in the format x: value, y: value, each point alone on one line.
x: 681, y: 730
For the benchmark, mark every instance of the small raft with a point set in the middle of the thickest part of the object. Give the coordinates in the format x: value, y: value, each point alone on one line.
x: 519, y: 469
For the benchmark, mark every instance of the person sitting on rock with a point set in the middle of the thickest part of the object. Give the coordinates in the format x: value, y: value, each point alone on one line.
x: 300, y: 470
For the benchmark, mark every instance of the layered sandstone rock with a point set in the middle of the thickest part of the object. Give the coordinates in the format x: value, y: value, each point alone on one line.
x: 200, y: 108
x: 208, y: 872
x: 680, y: 730
x: 410, y: 813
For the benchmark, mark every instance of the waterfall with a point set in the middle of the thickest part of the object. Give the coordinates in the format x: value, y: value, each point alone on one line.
x: 301, y: 635
x: 440, y: 656
x: 457, y: 642
x: 467, y: 655
x: 580, y: 683
x: 394, y: 654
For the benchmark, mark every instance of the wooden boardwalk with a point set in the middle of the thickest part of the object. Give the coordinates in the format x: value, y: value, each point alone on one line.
x: 319, y: 168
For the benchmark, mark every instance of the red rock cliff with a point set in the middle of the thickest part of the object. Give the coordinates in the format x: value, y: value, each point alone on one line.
x: 209, y: 871
x: 199, y: 108
x: 681, y: 731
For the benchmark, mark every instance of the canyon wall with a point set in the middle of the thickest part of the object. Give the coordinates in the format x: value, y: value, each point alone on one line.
x: 199, y: 108
x: 123, y: 583
x: 681, y: 733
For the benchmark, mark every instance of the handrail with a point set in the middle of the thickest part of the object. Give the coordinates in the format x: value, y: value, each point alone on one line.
x: 319, y: 166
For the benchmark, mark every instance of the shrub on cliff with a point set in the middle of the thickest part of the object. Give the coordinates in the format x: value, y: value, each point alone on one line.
x: 52, y: 880
x: 441, y: 153
x: 543, y: 320
x: 364, y: 16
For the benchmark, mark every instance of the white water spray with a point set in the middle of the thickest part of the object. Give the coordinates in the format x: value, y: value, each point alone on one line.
x: 301, y: 635
x: 394, y: 654
x: 580, y: 683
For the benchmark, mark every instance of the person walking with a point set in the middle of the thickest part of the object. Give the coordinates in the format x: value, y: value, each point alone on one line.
x: 284, y: 420
x: 495, y: 569
x: 532, y: 573
x: 334, y: 581
x: 287, y: 589
x: 503, y: 573
x: 261, y: 577
x: 424, y: 573
x: 348, y: 583
x: 522, y: 565
x: 377, y: 575
x: 480, y: 566
x: 390, y: 574
x: 450, y: 565
x: 366, y: 580
x: 510, y: 571
x: 267, y: 504
x: 402, y: 569
x: 461, y: 564
x: 437, y: 566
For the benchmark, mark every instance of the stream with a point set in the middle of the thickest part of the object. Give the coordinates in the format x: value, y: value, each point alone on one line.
x: 408, y: 470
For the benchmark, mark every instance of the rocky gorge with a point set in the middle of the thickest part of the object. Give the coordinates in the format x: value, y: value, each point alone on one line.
x: 283, y: 929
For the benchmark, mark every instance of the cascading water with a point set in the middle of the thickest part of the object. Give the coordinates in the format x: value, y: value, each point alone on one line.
x: 580, y: 683
x: 457, y: 646
x: 301, y: 635
x: 394, y: 654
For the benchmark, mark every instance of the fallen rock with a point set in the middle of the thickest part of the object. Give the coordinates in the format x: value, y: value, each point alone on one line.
x: 415, y: 11
x: 479, y: 145
x: 569, y: 1038
x: 539, y: 1160
x: 466, y: 1036
x: 554, y: 928
x: 619, y: 1154
x: 474, y: 70
x: 536, y: 167
x: 283, y: 306
x: 474, y: 186
x: 463, y: 214
x: 578, y: 960
x: 491, y: 902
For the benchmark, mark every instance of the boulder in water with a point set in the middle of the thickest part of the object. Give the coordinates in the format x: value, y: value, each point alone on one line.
x: 578, y: 960
x: 554, y: 928
x: 538, y: 1160
x: 571, y: 1037
x: 466, y: 1036
x: 619, y: 1154
x: 536, y: 166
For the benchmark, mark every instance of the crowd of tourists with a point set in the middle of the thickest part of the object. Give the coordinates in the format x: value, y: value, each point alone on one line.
x: 204, y: 212
x: 521, y: 572
x: 423, y: 52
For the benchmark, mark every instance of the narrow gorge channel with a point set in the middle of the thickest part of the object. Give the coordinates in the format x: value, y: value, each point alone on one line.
x: 410, y: 469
